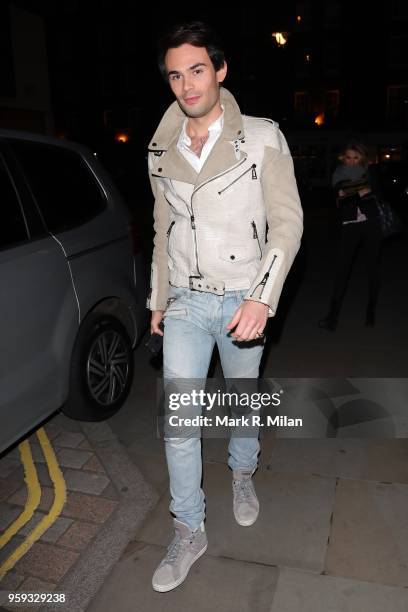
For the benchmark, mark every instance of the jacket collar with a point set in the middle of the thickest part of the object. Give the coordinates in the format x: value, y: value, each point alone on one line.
x: 222, y: 157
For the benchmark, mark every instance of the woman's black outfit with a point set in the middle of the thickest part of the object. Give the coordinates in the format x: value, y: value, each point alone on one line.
x: 356, y: 233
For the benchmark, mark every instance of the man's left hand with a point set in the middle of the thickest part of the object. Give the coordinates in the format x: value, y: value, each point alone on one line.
x: 249, y: 320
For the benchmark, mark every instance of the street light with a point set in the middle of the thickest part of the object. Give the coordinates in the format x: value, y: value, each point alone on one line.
x: 281, y: 38
x: 319, y: 120
x: 121, y: 137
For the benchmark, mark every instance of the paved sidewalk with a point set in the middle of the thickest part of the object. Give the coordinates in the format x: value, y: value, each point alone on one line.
x: 106, y: 501
x: 331, y: 536
x: 332, y: 532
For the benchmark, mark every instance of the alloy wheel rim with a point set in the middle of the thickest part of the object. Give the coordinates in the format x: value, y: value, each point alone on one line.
x: 107, y: 368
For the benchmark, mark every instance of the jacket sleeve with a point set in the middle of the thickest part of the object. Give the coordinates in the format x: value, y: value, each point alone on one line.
x: 285, y: 225
x: 159, y: 275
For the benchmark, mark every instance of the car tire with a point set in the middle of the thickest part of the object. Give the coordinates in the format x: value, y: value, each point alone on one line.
x: 101, y: 369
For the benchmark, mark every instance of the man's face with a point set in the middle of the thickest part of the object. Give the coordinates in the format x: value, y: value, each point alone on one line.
x: 193, y: 79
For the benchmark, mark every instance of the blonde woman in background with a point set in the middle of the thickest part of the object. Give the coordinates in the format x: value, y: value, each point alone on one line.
x: 356, y: 204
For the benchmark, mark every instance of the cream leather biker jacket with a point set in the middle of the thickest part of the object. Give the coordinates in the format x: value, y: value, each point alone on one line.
x: 235, y: 225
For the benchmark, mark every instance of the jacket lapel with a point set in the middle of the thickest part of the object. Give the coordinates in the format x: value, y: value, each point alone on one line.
x: 174, y: 165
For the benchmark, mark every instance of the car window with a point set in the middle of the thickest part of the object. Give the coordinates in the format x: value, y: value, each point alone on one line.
x: 12, y: 227
x: 64, y: 187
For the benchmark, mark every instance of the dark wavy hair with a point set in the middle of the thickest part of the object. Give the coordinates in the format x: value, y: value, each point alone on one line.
x: 194, y: 33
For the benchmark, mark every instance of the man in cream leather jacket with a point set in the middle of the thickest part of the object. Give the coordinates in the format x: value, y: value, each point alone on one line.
x: 228, y: 224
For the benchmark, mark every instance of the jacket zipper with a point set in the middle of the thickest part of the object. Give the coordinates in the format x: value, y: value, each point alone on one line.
x: 149, y: 297
x: 170, y: 228
x: 168, y: 237
x: 255, y: 235
x: 192, y: 218
x: 193, y: 227
x: 254, y: 176
x: 264, y: 279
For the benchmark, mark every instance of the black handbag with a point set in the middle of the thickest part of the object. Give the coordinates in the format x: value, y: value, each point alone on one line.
x: 389, y: 221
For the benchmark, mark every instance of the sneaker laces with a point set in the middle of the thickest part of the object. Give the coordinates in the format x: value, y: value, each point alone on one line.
x: 242, y: 489
x: 174, y: 549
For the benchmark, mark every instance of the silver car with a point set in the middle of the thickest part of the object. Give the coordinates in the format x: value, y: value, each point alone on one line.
x: 72, y: 286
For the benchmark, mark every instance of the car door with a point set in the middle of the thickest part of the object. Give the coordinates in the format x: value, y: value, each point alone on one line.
x: 38, y: 310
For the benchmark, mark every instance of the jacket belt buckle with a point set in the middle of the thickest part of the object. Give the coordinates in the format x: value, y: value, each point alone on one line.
x: 191, y: 282
x: 200, y: 283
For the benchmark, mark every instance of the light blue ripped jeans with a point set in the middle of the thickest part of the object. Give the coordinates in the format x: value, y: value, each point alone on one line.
x: 194, y: 322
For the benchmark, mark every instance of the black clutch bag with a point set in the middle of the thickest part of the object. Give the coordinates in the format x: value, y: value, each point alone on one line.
x: 155, y: 342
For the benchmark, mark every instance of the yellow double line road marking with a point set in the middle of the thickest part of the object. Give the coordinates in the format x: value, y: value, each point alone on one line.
x: 33, y: 500
x: 33, y: 493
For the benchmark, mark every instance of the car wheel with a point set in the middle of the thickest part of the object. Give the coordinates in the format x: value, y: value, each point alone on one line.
x: 101, y: 369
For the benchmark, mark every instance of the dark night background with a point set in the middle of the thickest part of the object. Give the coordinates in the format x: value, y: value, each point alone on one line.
x: 348, y: 60
x: 101, y: 59
x: 86, y: 71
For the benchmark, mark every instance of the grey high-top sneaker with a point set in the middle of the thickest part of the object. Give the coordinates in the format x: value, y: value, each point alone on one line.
x: 245, y: 501
x: 186, y: 547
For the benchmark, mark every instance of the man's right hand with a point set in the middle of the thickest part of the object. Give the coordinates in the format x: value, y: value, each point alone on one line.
x: 157, y: 316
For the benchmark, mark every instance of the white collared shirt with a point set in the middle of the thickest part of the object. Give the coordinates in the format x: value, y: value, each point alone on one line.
x: 184, y: 143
